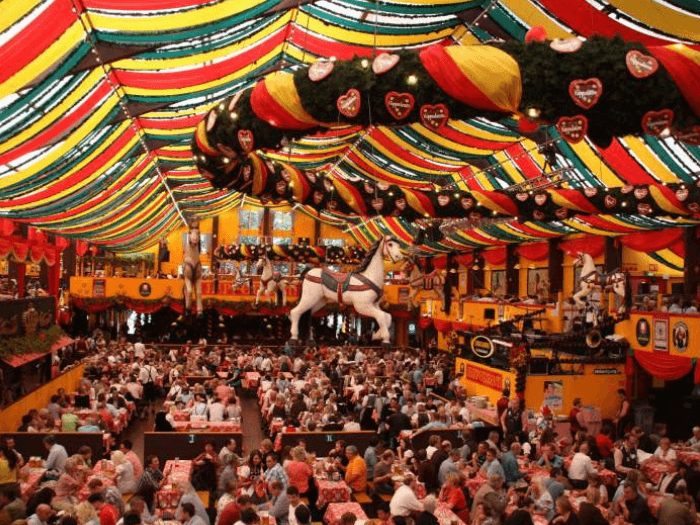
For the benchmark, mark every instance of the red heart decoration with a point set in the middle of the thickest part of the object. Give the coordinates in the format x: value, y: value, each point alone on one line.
x: 434, y: 116
x: 610, y: 201
x: 467, y: 203
x: 320, y: 70
x: 246, y: 140
x: 566, y: 45
x: 541, y: 198
x: 655, y: 122
x: 399, y: 105
x: 475, y: 216
x: 368, y: 188
x: 384, y: 62
x: 349, y: 104
x: 694, y: 207
x: 443, y: 200
x: 641, y: 193
x: 627, y: 188
x: 281, y: 187
x: 332, y: 205
x: 377, y: 204
x: 586, y: 93
x: 641, y: 65
x: 318, y: 197
x: 690, y: 136
x: 573, y: 129
x: 538, y: 215
x: 400, y: 203
x: 522, y: 196
x: 561, y: 213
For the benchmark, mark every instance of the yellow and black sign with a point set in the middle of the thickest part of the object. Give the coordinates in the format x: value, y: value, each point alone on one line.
x: 482, y: 346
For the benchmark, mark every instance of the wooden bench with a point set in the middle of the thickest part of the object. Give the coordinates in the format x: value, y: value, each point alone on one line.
x: 362, y: 498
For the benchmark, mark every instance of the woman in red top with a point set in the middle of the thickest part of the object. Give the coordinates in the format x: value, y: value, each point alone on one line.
x: 298, y: 471
x: 451, y: 493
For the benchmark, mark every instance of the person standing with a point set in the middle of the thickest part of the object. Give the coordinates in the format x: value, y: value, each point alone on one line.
x: 576, y: 418
x: 512, y: 418
x: 624, y: 414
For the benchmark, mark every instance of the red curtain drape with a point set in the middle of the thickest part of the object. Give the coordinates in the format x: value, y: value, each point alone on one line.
x: 440, y: 262
x: 678, y: 248
x: 443, y: 325
x: 652, y: 241
x: 424, y: 322
x: 465, y: 259
x: 7, y: 227
x: 592, y: 245
x: 664, y: 366
x: 536, y: 251
x: 495, y: 257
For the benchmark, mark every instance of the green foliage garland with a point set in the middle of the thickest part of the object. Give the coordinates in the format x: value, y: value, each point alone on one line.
x: 40, y: 342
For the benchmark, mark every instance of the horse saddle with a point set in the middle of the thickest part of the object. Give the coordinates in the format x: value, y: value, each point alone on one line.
x: 340, y: 282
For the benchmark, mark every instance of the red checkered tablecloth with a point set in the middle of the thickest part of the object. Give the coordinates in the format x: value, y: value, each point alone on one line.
x: 473, y: 484
x: 335, y: 511
x: 445, y: 516
x: 29, y: 485
x: 211, y: 426
x: 687, y: 455
x: 654, y: 469
x: 332, y: 492
x: 176, y: 472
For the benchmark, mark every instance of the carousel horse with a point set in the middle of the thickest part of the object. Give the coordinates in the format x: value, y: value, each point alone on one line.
x: 419, y: 281
x: 362, y: 288
x: 271, y: 283
x: 193, y: 269
x: 239, y: 279
x: 591, y: 279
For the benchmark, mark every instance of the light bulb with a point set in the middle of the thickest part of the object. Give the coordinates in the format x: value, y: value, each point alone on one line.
x: 412, y: 79
x: 533, y: 112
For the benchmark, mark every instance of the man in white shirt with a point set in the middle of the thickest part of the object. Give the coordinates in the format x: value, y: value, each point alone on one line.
x: 404, y: 501
x: 694, y: 441
x: 216, y: 410
x: 294, y: 503
x: 139, y: 350
x: 41, y: 515
x: 581, y: 468
x: 56, y: 461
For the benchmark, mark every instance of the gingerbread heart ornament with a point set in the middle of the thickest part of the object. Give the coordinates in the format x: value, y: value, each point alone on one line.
x: 320, y: 70
x: 694, y: 207
x: 399, y: 105
x: 586, y: 93
x: 561, y: 213
x: 566, y: 45
x: 246, y: 140
x: 610, y: 201
x: 655, y: 122
x: 644, y: 208
x: 400, y: 203
x: 690, y: 136
x: 377, y: 204
x: 349, y: 104
x: 641, y: 193
x: 384, y: 62
x: 573, y: 129
x: 434, y: 116
x: 541, y: 198
x: 641, y: 65
x: 538, y: 215
x: 590, y: 192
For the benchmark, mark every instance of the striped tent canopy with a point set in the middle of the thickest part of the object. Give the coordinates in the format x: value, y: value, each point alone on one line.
x: 99, y: 101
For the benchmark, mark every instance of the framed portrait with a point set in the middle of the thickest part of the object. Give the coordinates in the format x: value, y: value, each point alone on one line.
x: 661, y: 334
x: 538, y: 282
x: 498, y: 282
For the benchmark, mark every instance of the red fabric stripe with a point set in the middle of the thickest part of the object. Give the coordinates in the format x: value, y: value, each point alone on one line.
x: 592, y: 245
x: 586, y: 20
x: 678, y: 248
x: 75, y: 178
x: 35, y: 38
x: 524, y: 228
x: 625, y: 165
x: 406, y: 155
x: 159, y: 80
x: 684, y: 71
x: 60, y: 126
x: 382, y: 176
x: 139, y: 5
x: 268, y: 109
x: 606, y: 225
x: 524, y: 161
x: 537, y: 251
x: 176, y: 122
x: 579, y: 199
x: 501, y: 199
x: 652, y: 241
x: 450, y: 78
x: 494, y: 257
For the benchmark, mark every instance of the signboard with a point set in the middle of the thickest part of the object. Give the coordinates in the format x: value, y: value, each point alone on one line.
x: 643, y: 332
x: 99, y: 288
x: 554, y: 395
x: 404, y: 294
x: 606, y: 371
x: 661, y: 334
x: 482, y: 346
x: 488, y: 378
x: 145, y: 290
x: 680, y: 336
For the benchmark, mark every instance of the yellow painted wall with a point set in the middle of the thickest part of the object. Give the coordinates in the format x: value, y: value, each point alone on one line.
x: 594, y: 389
x: 628, y: 330
x: 11, y: 417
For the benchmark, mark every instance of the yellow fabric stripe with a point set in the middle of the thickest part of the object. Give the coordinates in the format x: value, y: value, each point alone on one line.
x: 397, y: 160
x: 195, y: 60
x: 349, y: 36
x: 280, y: 86
x: 87, y: 180
x: 169, y: 21
x: 462, y: 35
x: 91, y: 81
x: 526, y: 11
x: 649, y: 161
x: 663, y: 202
x: 13, y: 10
x: 447, y: 143
x: 687, y: 52
x: 71, y: 142
x: 588, y: 229
x: 154, y: 203
x: 420, y: 153
x: 560, y: 200
x: 493, y: 72
x: 480, y: 133
x: 45, y: 61
x: 671, y: 257
x: 661, y: 17
x: 596, y: 165
x: 274, y: 53
x: 508, y: 165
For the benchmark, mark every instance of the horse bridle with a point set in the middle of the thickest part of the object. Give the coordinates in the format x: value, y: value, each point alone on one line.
x: 386, y: 253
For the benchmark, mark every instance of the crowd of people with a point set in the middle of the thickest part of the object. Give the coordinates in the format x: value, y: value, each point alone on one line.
x: 520, y: 472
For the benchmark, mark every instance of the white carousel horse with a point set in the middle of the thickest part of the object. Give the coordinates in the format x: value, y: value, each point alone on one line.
x: 193, y: 269
x: 591, y: 279
x: 419, y: 281
x: 270, y: 282
x: 362, y: 288
x: 239, y: 279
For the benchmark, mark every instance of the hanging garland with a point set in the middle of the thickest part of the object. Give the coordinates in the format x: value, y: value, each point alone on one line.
x: 600, y: 88
x: 40, y: 342
x: 300, y: 253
